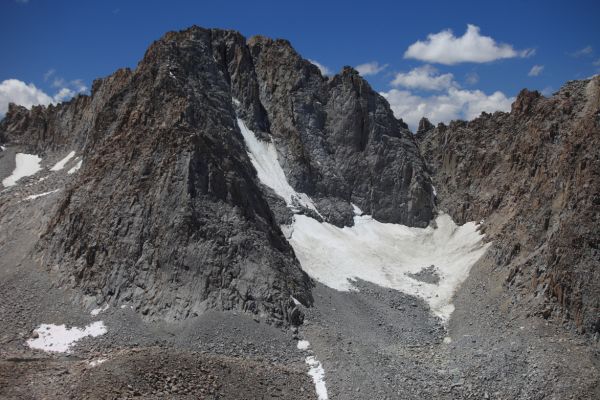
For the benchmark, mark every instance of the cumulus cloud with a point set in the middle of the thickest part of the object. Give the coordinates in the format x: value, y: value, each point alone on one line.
x: 27, y: 95
x: 536, y: 70
x: 454, y: 104
x: 425, y: 77
x: 63, y: 94
x: 370, y: 68
x: 324, y: 70
x: 445, y: 48
x: 16, y: 91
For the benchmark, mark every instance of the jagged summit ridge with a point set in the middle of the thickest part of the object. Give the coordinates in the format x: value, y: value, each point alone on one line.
x: 532, y: 174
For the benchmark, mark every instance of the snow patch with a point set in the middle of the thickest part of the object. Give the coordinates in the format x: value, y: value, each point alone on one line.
x: 61, y: 164
x: 26, y: 165
x: 75, y: 168
x: 315, y: 370
x: 303, y: 344
x: 385, y: 253
x: 317, y: 373
x: 59, y: 338
x: 35, y: 196
x: 95, y: 363
x: 97, y: 311
x: 264, y: 159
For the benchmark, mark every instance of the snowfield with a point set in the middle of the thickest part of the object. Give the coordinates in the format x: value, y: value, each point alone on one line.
x: 59, y: 338
x: 25, y: 165
x: 389, y: 255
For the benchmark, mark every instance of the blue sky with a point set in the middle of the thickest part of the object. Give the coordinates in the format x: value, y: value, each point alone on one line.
x: 63, y: 45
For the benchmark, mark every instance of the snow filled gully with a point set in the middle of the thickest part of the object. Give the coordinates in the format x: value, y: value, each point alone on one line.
x: 429, y: 263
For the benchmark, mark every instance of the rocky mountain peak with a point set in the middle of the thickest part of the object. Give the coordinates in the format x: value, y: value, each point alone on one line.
x: 525, y: 101
x: 189, y: 225
x: 424, y: 127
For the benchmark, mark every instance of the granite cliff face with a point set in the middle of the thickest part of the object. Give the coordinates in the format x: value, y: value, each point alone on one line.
x: 533, y: 176
x: 167, y: 213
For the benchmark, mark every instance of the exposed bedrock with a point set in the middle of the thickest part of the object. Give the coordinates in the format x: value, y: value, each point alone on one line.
x: 533, y: 175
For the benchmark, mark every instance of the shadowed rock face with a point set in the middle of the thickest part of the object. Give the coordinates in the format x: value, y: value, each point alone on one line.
x: 534, y: 175
x: 167, y: 213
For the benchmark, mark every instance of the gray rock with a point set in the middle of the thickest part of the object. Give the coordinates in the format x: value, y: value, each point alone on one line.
x: 532, y: 176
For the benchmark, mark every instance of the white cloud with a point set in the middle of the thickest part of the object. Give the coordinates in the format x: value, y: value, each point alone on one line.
x: 445, y: 48
x: 370, y: 68
x: 58, y: 82
x: 547, y: 91
x: 597, y: 63
x: 454, y: 104
x: 48, y: 74
x: 63, y: 94
x: 16, y: 91
x: 586, y: 51
x: 324, y: 70
x: 27, y: 95
x: 425, y: 77
x: 536, y: 70
x: 472, y: 78
x: 78, y: 86
x: 75, y: 85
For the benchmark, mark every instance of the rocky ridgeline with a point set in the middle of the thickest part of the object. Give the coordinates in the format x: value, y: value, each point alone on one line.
x: 533, y: 176
x: 167, y: 212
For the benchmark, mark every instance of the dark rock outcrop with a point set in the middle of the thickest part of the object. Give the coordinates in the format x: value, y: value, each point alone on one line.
x: 533, y: 175
x: 167, y: 213
x: 424, y: 126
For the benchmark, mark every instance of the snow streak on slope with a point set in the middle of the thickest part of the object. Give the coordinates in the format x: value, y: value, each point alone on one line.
x: 264, y: 158
x: 429, y: 263
x: 389, y: 255
x: 317, y: 373
x: 75, y: 168
x: 26, y: 165
x: 315, y: 370
x: 61, y: 164
x: 35, y: 196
